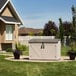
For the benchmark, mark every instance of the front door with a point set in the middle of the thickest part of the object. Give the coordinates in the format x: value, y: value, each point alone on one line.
x: 9, y: 32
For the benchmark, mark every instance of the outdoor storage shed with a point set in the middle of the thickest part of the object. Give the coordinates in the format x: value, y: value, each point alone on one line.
x: 45, y: 49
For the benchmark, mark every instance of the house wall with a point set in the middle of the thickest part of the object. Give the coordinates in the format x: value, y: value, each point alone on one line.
x: 0, y: 47
x: 2, y: 31
x: 6, y: 12
x: 3, y: 34
x: 0, y: 38
x: 16, y: 33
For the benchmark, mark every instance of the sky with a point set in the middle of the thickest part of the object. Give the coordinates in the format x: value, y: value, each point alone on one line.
x: 36, y: 13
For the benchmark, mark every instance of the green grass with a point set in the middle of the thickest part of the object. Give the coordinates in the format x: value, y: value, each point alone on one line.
x: 9, y: 68
x: 26, y: 52
x: 64, y: 50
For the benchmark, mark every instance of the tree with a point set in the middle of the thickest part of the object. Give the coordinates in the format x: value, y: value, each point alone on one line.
x: 67, y: 26
x: 31, y: 34
x: 50, y: 29
x: 73, y: 34
x: 73, y: 9
x: 61, y: 30
x: 74, y: 18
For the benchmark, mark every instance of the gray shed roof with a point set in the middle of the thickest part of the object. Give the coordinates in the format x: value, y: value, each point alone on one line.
x: 44, y: 41
x: 2, y: 2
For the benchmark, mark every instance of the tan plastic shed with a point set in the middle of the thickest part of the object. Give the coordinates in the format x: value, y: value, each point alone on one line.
x: 45, y: 49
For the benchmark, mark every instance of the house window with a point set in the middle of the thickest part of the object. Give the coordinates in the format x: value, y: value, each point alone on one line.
x: 9, y: 32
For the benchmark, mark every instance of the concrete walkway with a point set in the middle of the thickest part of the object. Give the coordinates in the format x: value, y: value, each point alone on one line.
x: 26, y: 59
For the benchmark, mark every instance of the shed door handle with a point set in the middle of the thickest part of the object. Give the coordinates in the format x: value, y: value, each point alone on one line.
x: 42, y: 46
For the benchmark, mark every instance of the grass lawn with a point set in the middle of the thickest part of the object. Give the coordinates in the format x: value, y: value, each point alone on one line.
x: 9, y: 68
x: 64, y: 50
x: 26, y: 52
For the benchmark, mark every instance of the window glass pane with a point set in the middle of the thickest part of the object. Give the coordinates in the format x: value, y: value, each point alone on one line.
x: 9, y: 32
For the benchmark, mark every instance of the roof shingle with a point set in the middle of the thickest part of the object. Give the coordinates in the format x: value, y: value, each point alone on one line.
x: 9, y: 19
x: 24, y: 30
x: 2, y: 2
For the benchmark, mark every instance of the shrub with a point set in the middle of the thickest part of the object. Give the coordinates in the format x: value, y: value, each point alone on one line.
x: 20, y: 47
x: 9, y: 50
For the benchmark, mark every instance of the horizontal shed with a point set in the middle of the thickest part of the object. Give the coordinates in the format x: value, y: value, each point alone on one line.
x: 48, y: 49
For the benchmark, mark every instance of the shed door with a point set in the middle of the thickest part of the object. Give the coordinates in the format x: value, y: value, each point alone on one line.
x: 35, y: 51
x: 42, y: 51
x: 49, y: 51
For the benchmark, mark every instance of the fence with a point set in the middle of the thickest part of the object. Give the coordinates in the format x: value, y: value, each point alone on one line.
x: 25, y: 39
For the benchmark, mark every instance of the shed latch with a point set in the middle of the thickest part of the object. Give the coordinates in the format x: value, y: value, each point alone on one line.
x: 42, y: 46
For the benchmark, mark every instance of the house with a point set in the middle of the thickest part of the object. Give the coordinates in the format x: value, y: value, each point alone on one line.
x: 23, y: 31
x: 9, y: 23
